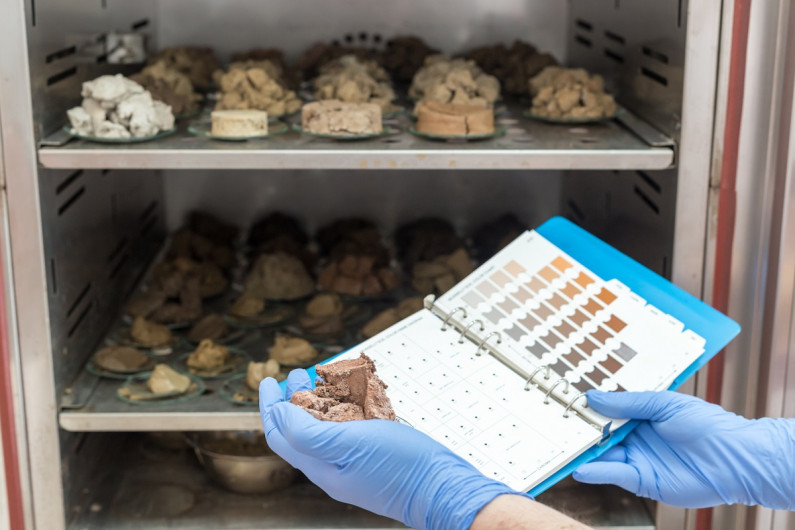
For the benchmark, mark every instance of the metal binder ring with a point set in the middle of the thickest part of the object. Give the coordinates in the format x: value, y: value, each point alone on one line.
x: 571, y: 403
x: 450, y: 316
x: 466, y: 328
x: 555, y: 384
x: 483, y: 342
x: 533, y: 374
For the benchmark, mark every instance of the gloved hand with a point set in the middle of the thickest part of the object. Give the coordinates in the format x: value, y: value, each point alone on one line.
x: 382, y: 466
x: 694, y: 454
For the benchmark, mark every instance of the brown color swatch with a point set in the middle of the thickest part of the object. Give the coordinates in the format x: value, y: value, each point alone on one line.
x: 523, y: 295
x: 606, y: 296
x: 543, y: 312
x: 548, y: 273
x: 515, y: 332
x: 570, y: 290
x: 556, y: 301
x: 611, y: 364
x: 560, y: 368
x: 584, y: 280
x: 592, y: 306
x: 616, y: 324
x: 551, y: 339
x: 579, y: 318
x: 582, y: 386
x: 601, y: 334
x: 529, y: 322
x: 537, y: 349
x: 561, y: 264
x: 597, y: 376
x: 565, y: 329
x: 621, y: 389
x: 514, y: 268
x: 500, y: 278
x: 487, y: 289
x: 574, y: 358
x: 508, y: 305
x: 587, y: 347
x: 535, y: 284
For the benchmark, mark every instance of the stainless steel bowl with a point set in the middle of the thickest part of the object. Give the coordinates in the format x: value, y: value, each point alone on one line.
x: 241, y: 461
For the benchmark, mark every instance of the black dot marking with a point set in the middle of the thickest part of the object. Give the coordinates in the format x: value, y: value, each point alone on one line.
x: 511, y: 462
x: 348, y: 38
x: 402, y: 343
x: 363, y: 35
x: 377, y: 38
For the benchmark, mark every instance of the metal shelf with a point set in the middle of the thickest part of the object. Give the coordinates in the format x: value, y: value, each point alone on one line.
x: 154, y: 487
x: 625, y: 143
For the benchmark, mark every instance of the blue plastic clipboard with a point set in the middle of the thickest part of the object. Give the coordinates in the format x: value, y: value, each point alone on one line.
x: 608, y: 263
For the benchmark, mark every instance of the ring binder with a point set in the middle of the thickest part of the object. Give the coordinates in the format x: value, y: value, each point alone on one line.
x: 450, y: 316
x: 533, y: 374
x: 483, y: 342
x: 554, y: 385
x: 466, y: 328
x: 571, y: 403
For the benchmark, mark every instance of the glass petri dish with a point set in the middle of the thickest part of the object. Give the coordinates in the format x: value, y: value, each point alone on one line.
x: 133, y: 140
x: 347, y: 137
x: 498, y: 131
x: 237, y: 362
x: 135, y: 392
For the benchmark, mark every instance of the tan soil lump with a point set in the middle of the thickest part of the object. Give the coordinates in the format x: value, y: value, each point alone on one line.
x: 149, y: 334
x: 165, y: 380
x: 120, y: 358
x: 323, y: 315
x: 346, y: 391
x: 391, y: 316
x: 292, y: 350
x: 208, y: 356
x: 351, y: 80
x: 247, y: 306
x: 512, y: 66
x: 211, y: 327
x: 258, y: 371
x: 239, y: 123
x: 570, y: 93
x: 458, y: 81
x: 170, y: 86
x: 452, y: 119
x: 279, y: 276
x: 338, y: 117
x: 198, y: 63
x: 255, y: 89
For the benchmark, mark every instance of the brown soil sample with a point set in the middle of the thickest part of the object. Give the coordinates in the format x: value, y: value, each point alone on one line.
x: 441, y: 274
x: 292, y: 350
x: 425, y: 240
x: 145, y: 303
x: 189, y: 307
x: 169, y: 85
x: 196, y: 62
x: 451, y: 119
x: 209, y: 226
x: 165, y: 380
x: 404, y: 55
x: 256, y: 88
x: 323, y: 315
x: 188, y: 244
x: 120, y: 358
x: 512, y: 66
x: 319, y: 54
x: 390, y: 317
x: 333, y: 116
x: 247, y: 306
x: 348, y: 390
x: 279, y: 276
x: 492, y: 237
x: 457, y: 81
x: 570, y: 93
x: 258, y: 371
x: 211, y: 327
x: 350, y: 80
x: 149, y: 334
x: 208, y: 356
x: 357, y: 276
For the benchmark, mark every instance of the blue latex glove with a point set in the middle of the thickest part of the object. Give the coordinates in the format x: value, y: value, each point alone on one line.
x: 382, y: 466
x: 694, y: 454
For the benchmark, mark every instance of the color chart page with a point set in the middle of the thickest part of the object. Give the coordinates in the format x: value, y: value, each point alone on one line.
x: 590, y: 332
x: 472, y: 404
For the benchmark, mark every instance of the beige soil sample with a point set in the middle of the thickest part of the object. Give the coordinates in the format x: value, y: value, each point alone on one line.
x: 390, y: 317
x: 211, y: 327
x: 247, y: 306
x: 337, y: 117
x: 292, y: 350
x: 512, y: 66
x: 451, y: 119
x: 357, y: 275
x: 150, y: 334
x: 255, y: 89
x: 196, y: 62
x: 239, y: 123
x: 454, y: 81
x: 170, y: 86
x: 189, y: 307
x: 212, y: 281
x: 208, y: 355
x: 145, y: 303
x: 120, y: 359
x: 570, y: 93
x: 441, y: 274
x: 346, y: 391
x: 189, y: 245
x: 279, y: 276
x: 323, y: 315
x: 165, y: 380
x: 350, y: 80
x: 258, y: 371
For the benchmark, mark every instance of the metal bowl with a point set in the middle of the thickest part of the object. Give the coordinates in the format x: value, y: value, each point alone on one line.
x: 241, y: 461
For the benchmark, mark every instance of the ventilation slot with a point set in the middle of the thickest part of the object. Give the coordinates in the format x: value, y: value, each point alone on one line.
x: 79, y: 321
x: 148, y: 211
x: 582, y: 40
x: 654, y: 54
x: 33, y: 13
x: 654, y: 76
x: 79, y: 299
x: 645, y: 198
x: 575, y: 210
x: 582, y: 24
x: 615, y: 56
x: 679, y: 15
x: 60, y: 54
x: 102, y: 58
x: 117, y: 250
x: 615, y: 37
x: 119, y: 266
x: 140, y: 24
x: 69, y: 72
x: 53, y: 276
x: 146, y: 228
x: 68, y: 181
x: 68, y: 204
x: 653, y: 184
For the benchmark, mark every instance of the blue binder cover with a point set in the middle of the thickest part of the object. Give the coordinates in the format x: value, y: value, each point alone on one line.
x: 608, y: 263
